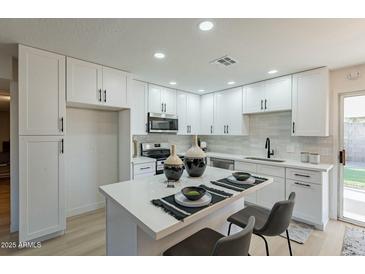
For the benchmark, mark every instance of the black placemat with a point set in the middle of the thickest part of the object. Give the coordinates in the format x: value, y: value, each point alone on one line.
x: 180, y: 212
x: 237, y: 187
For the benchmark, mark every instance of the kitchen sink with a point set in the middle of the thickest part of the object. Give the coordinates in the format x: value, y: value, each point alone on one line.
x: 265, y: 159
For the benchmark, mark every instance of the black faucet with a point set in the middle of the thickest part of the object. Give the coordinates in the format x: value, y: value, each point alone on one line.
x: 267, y: 146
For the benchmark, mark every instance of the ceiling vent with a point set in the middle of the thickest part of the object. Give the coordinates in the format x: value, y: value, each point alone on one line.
x: 225, y: 61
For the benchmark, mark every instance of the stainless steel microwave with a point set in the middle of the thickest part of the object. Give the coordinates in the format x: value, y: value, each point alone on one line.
x: 162, y: 123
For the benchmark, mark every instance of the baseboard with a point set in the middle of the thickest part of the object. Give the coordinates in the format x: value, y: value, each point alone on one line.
x: 85, y: 208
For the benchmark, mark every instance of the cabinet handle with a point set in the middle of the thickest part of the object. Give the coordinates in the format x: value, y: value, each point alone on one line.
x: 224, y: 129
x: 265, y: 104
x: 99, y: 95
x: 301, y: 175
x: 161, y: 107
x: 62, y: 147
x: 301, y: 184
x: 187, y: 129
x: 62, y: 124
x: 227, y: 129
x: 165, y: 107
x: 293, y: 127
x: 105, y: 95
x: 142, y: 168
x: 211, y: 129
x: 261, y: 105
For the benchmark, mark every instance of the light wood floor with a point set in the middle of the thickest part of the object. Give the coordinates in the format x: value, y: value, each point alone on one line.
x: 85, y: 235
x: 4, y: 202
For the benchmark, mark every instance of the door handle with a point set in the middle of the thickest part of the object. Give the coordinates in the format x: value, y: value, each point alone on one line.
x: 104, y: 95
x: 301, y: 184
x: 342, y: 157
x: 62, y: 147
x: 99, y: 95
x: 62, y: 124
x: 265, y: 104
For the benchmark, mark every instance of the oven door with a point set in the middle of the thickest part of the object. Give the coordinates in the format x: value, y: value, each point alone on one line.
x: 162, y: 123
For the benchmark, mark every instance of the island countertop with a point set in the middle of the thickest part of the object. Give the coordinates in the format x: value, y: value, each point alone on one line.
x: 135, y: 197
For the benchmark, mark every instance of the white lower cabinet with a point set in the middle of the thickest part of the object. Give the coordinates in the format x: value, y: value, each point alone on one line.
x: 144, y: 170
x: 271, y: 194
x: 307, y: 200
x: 41, y: 186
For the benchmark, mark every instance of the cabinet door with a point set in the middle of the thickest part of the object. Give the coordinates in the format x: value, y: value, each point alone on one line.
x: 235, y: 120
x: 207, y: 114
x: 308, y: 201
x: 269, y: 195
x: 114, y: 87
x: 41, y: 186
x: 84, y: 82
x: 278, y: 94
x: 155, y: 99
x: 220, y: 113
x: 138, y: 102
x: 41, y: 92
x: 255, y: 94
x: 169, y: 99
x: 310, y: 103
x: 182, y: 115
x: 193, y: 113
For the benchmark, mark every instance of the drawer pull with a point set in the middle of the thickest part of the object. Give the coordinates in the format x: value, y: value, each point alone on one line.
x: 301, y: 175
x: 142, y: 168
x: 301, y: 184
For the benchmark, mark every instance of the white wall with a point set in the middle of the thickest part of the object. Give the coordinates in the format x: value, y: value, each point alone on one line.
x: 4, y: 128
x: 91, y: 149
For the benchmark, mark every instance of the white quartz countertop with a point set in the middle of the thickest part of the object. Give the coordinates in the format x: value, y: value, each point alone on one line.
x: 286, y: 163
x: 143, y: 160
x: 135, y: 197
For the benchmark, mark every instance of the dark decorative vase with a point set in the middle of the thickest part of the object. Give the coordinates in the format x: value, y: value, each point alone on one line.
x: 195, y: 160
x: 173, y: 166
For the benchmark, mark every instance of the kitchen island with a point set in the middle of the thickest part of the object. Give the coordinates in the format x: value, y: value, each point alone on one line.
x: 134, y: 226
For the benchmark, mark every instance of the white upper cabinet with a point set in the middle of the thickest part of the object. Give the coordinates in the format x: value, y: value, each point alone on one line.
x: 310, y: 115
x: 228, y: 118
x: 41, y: 92
x: 207, y: 114
x: 278, y: 94
x: 95, y: 85
x: 114, y: 87
x: 137, y: 95
x: 254, y: 97
x: 188, y: 112
x: 270, y: 95
x: 161, y: 100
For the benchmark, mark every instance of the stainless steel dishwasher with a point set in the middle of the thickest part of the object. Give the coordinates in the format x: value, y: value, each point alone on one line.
x: 222, y: 163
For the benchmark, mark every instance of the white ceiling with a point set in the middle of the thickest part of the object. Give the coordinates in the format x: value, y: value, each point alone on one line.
x: 259, y: 45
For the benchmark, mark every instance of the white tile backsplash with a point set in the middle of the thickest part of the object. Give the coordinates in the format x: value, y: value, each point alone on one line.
x: 276, y: 126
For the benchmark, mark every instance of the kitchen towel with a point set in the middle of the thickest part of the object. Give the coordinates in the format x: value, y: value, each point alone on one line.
x: 180, y: 212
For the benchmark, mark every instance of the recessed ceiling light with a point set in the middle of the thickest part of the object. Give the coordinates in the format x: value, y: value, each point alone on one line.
x: 273, y: 71
x: 159, y: 55
x: 173, y: 83
x: 231, y: 83
x: 206, y: 25
x: 201, y: 90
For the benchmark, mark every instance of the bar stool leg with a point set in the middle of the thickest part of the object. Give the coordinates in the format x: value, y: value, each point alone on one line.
x: 266, y: 244
x: 287, y: 237
x: 229, y: 229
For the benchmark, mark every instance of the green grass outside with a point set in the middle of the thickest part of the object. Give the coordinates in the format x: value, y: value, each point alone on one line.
x: 354, y: 177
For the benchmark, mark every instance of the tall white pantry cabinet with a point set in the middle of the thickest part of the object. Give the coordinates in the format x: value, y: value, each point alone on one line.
x: 42, y: 112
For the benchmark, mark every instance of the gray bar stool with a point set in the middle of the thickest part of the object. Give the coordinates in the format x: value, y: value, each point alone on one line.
x: 208, y: 242
x: 268, y: 223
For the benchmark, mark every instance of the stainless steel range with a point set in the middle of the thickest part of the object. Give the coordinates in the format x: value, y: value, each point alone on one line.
x: 159, y: 151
